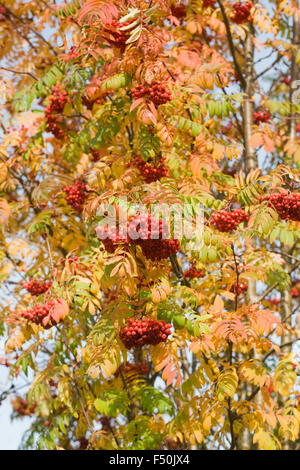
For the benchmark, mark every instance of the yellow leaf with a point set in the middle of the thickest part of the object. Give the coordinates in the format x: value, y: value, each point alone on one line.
x: 218, y: 304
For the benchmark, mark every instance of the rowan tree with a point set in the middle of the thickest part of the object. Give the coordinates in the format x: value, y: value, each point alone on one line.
x: 151, y: 343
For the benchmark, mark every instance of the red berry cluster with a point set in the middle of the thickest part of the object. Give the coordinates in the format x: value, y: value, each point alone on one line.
x: 179, y: 10
x: 192, y: 273
x: 157, y: 93
x: 151, y: 240
x: 73, y: 52
x: 235, y: 77
x: 52, y: 383
x: 228, y: 221
x: 3, y: 14
x: 114, y: 35
x: 261, y: 116
x: 242, y: 287
x: 295, y: 292
x: 110, y: 237
x: 208, y: 3
x: 89, y: 103
x: 127, y: 368
x: 70, y: 55
x: 143, y: 230
x: 95, y: 155
x: 36, y: 287
x: 83, y: 443
x: 151, y: 171
x: 173, y: 445
x: 22, y: 408
x: 230, y: 171
x: 106, y: 425
x: 138, y: 333
x: 275, y: 300
x: 76, y: 194
x: 40, y: 314
x: 287, y: 205
x: 242, y: 12
x: 53, y: 112
x: 287, y: 80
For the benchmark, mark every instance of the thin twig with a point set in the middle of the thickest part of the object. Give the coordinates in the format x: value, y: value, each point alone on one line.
x: 30, y: 28
x: 231, y: 45
x: 77, y: 388
x: 19, y: 72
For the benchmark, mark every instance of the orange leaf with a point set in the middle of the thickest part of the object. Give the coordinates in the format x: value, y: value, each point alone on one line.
x: 59, y: 310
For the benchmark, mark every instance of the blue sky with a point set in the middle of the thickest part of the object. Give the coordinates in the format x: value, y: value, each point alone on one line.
x: 10, y: 431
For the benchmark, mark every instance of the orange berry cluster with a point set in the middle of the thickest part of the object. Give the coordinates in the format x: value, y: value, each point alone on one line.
x: 241, y: 288
x: 127, y: 368
x: 228, y: 221
x: 76, y: 194
x: 287, y: 205
x: 36, y: 287
x: 242, y: 12
x: 40, y: 314
x: 53, y: 112
x: 143, y: 230
x: 192, y: 273
x: 151, y: 171
x: 157, y: 93
x: 138, y: 333
x: 261, y: 116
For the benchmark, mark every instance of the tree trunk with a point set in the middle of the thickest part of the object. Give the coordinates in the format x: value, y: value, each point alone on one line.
x: 248, y: 105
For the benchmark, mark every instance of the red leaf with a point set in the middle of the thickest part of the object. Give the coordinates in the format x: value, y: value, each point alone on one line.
x: 106, y: 11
